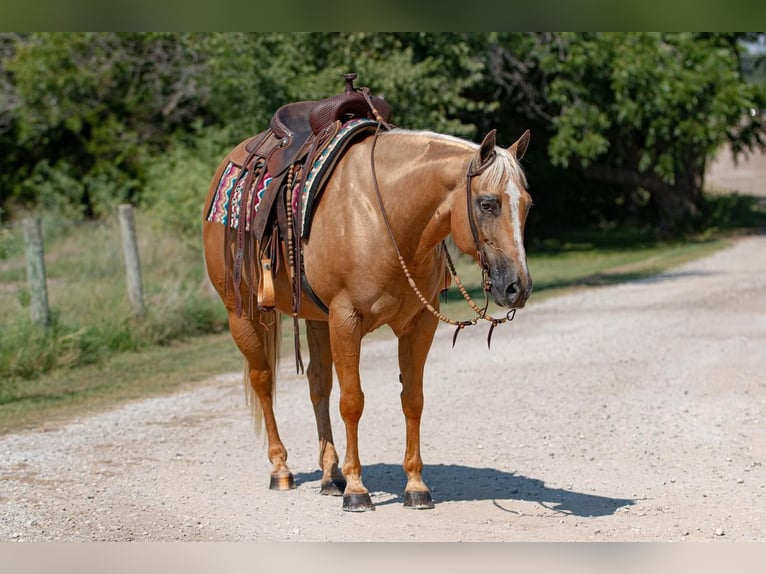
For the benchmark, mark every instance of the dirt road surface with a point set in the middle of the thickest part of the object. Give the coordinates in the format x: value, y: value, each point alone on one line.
x: 634, y: 412
x: 625, y: 413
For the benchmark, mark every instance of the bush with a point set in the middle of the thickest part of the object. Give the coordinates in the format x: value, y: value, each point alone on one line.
x: 178, y: 181
x: 733, y: 211
x: 28, y: 350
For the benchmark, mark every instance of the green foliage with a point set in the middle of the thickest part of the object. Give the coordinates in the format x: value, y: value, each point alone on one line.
x: 647, y: 110
x: 243, y: 77
x: 178, y: 180
x: 27, y: 350
x: 250, y: 75
x: 9, y: 244
x: 662, y: 91
x: 91, y: 107
x: 732, y: 212
x: 96, y: 113
x: 623, y: 126
x: 90, y: 120
x: 424, y: 76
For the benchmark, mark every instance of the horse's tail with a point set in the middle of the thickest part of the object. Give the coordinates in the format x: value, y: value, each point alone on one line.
x: 272, y: 336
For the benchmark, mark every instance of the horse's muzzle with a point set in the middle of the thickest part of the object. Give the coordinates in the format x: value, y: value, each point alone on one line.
x: 511, y: 291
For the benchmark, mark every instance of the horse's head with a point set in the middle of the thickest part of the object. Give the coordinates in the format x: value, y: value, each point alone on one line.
x: 496, y: 211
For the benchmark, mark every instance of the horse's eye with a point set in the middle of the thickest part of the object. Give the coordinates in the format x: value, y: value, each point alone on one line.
x: 488, y: 205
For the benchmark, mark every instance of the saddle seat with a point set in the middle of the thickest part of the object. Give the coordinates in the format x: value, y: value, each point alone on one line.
x: 295, y: 123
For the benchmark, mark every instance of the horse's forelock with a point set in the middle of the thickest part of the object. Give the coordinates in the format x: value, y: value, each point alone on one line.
x: 505, y: 167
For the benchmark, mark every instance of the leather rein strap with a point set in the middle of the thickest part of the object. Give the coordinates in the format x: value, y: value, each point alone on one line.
x: 481, y: 313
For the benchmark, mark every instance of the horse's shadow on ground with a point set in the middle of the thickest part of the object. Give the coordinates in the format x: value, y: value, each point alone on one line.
x: 452, y: 483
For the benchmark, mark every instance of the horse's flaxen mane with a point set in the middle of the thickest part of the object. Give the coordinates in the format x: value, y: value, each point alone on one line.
x: 507, y: 166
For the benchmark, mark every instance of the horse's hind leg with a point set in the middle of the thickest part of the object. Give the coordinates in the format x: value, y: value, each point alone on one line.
x: 414, y: 345
x: 320, y: 384
x: 259, y: 343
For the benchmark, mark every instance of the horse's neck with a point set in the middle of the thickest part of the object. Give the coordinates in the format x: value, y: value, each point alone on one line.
x: 439, y: 156
x: 428, y: 170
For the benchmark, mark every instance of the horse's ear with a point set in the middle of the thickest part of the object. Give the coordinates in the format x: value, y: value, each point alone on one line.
x: 487, y: 147
x: 519, y: 147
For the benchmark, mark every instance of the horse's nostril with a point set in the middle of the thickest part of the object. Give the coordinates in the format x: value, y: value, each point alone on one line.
x: 512, y: 289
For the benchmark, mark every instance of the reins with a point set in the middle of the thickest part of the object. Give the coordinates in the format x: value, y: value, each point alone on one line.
x: 481, y: 312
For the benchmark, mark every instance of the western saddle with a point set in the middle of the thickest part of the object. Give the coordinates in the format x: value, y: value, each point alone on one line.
x: 297, y: 134
x: 295, y: 126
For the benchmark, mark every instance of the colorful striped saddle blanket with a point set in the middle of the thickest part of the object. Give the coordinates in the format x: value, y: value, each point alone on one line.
x: 231, y: 184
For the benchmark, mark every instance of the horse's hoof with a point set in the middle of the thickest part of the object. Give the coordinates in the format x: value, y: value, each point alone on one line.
x: 357, y: 502
x: 282, y: 482
x: 333, y: 487
x: 419, y: 500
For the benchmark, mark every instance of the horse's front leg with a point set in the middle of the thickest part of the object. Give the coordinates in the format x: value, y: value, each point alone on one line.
x: 320, y: 385
x: 346, y: 340
x: 414, y: 344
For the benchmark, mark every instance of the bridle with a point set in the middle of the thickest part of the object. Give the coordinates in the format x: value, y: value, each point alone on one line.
x: 474, y: 170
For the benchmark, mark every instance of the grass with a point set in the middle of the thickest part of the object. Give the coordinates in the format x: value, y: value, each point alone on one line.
x: 60, y: 395
x: 151, y: 370
x: 91, y: 318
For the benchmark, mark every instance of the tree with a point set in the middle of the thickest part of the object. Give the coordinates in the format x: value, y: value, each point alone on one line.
x: 647, y: 111
x: 91, y: 113
x: 9, y: 102
x: 91, y: 107
x: 424, y: 76
x: 623, y: 124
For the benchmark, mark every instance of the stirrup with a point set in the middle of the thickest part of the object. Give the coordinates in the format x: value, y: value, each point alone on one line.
x: 266, y: 301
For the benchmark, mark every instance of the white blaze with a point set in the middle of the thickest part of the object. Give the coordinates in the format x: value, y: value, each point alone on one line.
x: 514, y: 196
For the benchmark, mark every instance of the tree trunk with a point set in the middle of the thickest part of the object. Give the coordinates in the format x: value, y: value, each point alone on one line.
x: 677, y: 205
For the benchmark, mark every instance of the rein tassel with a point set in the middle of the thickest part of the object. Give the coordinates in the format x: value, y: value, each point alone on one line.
x: 489, y: 335
x: 457, y: 332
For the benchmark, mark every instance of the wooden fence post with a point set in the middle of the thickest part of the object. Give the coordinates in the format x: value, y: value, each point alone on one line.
x: 38, y: 288
x: 132, y: 264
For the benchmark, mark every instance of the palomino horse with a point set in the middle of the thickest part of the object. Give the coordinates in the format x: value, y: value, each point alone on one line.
x: 357, y: 262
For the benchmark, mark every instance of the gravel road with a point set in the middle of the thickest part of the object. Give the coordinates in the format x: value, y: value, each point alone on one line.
x: 634, y: 412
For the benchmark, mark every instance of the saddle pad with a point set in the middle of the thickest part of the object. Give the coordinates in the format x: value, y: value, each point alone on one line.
x: 219, y: 208
x: 235, y: 175
x: 324, y: 164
